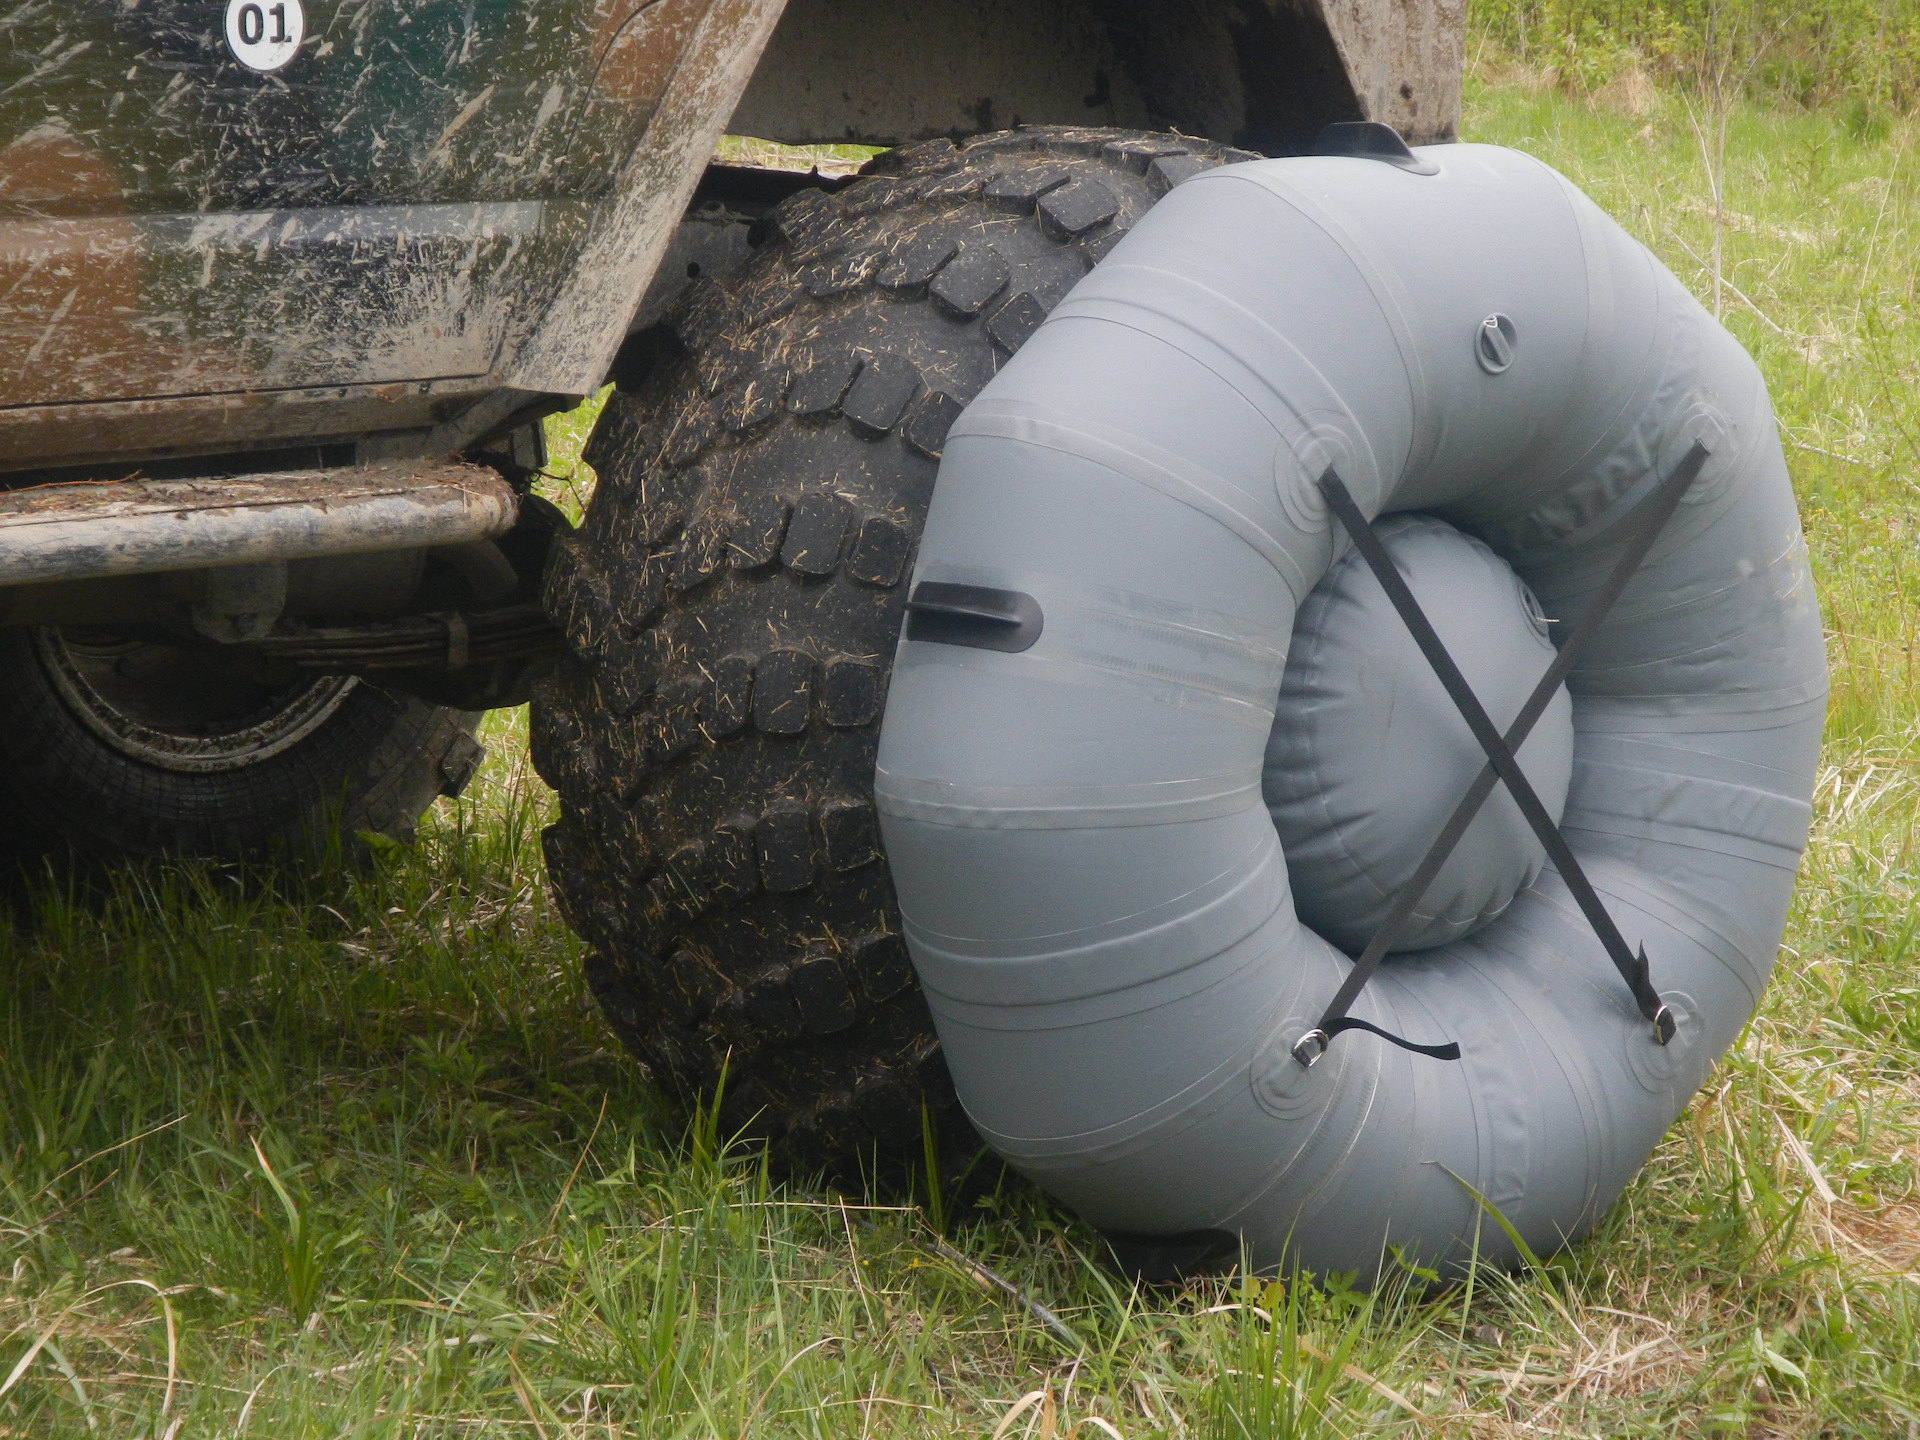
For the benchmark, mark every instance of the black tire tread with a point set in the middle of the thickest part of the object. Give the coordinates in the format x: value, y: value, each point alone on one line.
x: 375, y: 766
x: 731, y: 604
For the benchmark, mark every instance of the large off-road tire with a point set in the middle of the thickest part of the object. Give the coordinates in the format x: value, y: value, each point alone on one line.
x: 114, y: 748
x: 731, y: 605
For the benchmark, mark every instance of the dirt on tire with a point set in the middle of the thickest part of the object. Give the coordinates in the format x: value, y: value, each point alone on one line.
x: 731, y: 605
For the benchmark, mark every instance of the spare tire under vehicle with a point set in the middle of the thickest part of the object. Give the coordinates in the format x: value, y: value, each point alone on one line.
x: 119, y: 747
x: 732, y: 601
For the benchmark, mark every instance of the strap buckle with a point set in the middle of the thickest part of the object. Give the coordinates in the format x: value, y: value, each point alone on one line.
x: 1665, y: 1027
x: 1308, y: 1049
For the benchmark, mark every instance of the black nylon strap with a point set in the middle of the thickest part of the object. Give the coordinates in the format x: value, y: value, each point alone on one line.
x: 1448, y: 1051
x: 1500, y: 763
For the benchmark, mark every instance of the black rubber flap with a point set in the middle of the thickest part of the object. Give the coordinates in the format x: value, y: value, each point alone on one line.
x: 973, y: 615
x: 1370, y: 140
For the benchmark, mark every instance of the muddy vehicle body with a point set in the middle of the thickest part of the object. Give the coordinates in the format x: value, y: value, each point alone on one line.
x: 285, y: 291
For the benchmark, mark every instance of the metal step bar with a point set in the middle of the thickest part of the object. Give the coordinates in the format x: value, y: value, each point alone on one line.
x: 85, y: 530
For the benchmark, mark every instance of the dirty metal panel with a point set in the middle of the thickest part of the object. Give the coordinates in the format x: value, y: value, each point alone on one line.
x: 99, y: 309
x: 173, y: 223
x: 1265, y: 75
x: 566, y: 351
x: 879, y: 73
x: 87, y: 530
x: 36, y: 437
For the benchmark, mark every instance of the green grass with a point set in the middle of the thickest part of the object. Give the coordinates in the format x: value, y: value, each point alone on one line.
x: 360, y: 1159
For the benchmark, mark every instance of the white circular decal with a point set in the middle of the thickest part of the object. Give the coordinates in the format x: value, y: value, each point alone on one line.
x: 265, y: 34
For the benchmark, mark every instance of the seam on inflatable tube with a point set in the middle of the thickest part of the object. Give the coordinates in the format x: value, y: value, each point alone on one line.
x: 1383, y: 284
x: 1687, y: 837
x: 1738, y: 710
x: 1181, y: 1111
x: 1131, y: 458
x: 1606, y: 490
x: 1650, y: 753
x: 1085, y: 621
x: 1768, y: 829
x: 1038, y: 667
x: 1492, y: 1104
x: 1292, y: 416
x: 1603, y: 290
x: 1706, y: 924
x: 1015, y: 986
x: 1190, y: 318
x: 1500, y: 956
x: 1660, y: 604
x: 1097, y: 1000
x: 965, y: 806
x: 1337, y: 1126
x: 1635, y: 897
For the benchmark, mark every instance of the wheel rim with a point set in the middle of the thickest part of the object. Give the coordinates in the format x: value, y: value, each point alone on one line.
x: 180, y: 709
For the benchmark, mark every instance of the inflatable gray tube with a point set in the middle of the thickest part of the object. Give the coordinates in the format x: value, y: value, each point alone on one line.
x: 1092, y: 888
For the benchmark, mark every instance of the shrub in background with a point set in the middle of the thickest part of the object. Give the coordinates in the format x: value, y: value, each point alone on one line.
x: 1859, y: 56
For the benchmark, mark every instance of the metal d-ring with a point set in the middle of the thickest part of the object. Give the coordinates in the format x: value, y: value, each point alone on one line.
x: 1665, y: 1027
x: 1317, y: 1041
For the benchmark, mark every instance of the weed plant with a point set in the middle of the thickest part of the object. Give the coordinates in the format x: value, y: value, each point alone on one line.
x: 1860, y: 58
x: 355, y: 1156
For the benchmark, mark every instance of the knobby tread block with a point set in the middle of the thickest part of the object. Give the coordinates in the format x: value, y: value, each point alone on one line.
x: 756, y: 399
x: 730, y: 698
x: 756, y: 540
x: 821, y: 993
x: 1169, y: 170
x: 1014, y: 321
x: 782, y: 692
x: 1096, y: 247
x: 627, y: 675
x: 917, y: 263
x: 849, y: 834
x: 576, y: 595
x: 804, y: 215
x: 676, y: 720
x: 775, y: 295
x: 870, y: 197
x: 968, y: 281
x: 912, y: 159
x: 820, y: 387
x: 849, y: 692
x: 732, y: 607
x: 962, y: 185
x: 880, y: 392
x: 1020, y: 188
x: 784, y: 838
x: 1137, y: 154
x: 880, y: 551
x: 736, y: 868
x: 848, y: 272
x: 882, y: 965
x: 765, y: 1007
x: 932, y: 416
x: 815, y: 534
x: 702, y: 548
x: 1076, y: 207
x: 698, y: 428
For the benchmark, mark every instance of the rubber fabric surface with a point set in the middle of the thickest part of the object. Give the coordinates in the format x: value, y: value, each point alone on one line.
x: 1092, y: 889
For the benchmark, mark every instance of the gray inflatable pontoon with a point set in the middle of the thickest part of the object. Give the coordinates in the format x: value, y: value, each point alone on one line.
x: 1091, y: 814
